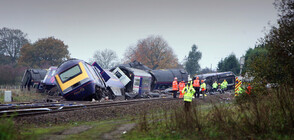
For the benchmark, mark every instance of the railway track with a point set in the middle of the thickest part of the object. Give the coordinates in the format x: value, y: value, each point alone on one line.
x: 47, y: 109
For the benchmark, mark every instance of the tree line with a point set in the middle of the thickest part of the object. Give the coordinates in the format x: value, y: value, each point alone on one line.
x: 17, y: 53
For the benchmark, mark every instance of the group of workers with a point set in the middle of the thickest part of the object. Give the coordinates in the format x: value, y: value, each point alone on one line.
x: 183, y: 88
x: 198, y: 86
x: 194, y: 87
x: 221, y: 87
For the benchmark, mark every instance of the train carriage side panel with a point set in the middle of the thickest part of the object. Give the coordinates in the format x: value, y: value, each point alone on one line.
x: 162, y: 79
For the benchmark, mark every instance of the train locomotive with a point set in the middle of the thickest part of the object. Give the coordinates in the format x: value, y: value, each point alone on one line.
x: 78, y: 80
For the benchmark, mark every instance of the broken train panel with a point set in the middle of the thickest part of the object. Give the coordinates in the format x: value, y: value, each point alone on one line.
x: 139, y: 84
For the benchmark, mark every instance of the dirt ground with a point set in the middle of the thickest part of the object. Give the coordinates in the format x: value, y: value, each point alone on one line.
x: 116, y: 134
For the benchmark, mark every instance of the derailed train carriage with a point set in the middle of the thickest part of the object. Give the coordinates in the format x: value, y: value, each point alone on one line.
x: 219, y: 77
x: 162, y: 79
x: 143, y: 80
x: 48, y: 84
x: 78, y: 80
x: 32, y: 78
x: 138, y: 83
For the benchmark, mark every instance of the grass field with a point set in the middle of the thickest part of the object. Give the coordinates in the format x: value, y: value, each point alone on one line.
x: 23, y: 96
x: 266, y: 115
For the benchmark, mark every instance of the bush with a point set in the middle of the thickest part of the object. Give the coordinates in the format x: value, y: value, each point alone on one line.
x: 7, y: 129
x: 257, y: 116
x: 10, y: 74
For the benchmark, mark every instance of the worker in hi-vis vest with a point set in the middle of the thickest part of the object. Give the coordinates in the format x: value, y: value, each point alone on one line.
x: 188, y: 95
x: 196, y: 85
x: 181, y: 87
x: 203, y: 88
x: 214, y: 86
x: 175, y: 87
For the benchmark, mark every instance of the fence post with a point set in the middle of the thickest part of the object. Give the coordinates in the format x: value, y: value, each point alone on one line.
x: 7, y: 96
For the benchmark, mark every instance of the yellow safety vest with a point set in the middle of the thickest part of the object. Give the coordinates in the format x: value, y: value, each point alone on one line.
x: 189, y: 92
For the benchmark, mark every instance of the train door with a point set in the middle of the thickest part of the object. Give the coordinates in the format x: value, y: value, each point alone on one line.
x: 145, y: 84
x: 137, y: 84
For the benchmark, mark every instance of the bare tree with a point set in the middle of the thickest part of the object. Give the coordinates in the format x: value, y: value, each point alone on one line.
x: 106, y: 58
x: 11, y: 40
x: 153, y: 52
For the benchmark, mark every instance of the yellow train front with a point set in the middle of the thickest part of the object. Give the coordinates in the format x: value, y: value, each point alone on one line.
x: 78, y: 80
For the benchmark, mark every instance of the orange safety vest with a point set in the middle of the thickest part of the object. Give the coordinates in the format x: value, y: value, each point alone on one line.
x: 181, y: 86
x: 248, y: 90
x: 196, y: 83
x: 175, y: 85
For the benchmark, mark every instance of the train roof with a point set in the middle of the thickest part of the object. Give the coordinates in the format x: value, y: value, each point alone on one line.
x: 138, y: 72
x: 164, y: 75
x: 135, y: 64
x: 34, y: 74
x: 67, y: 64
x: 228, y: 73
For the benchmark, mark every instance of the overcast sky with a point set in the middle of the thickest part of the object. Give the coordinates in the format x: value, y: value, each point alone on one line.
x: 217, y: 27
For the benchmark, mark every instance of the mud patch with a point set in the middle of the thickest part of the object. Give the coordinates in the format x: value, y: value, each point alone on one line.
x: 116, y: 134
x: 76, y: 130
x: 71, y: 131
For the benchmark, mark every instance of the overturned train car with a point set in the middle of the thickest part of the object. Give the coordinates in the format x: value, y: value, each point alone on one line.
x: 143, y: 80
x: 137, y: 82
x: 78, y: 80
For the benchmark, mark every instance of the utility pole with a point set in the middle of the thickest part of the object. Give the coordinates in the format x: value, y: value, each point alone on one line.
x: 242, y: 61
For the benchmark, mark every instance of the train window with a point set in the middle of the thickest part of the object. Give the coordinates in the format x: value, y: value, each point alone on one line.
x: 137, y: 82
x: 146, y: 81
x: 230, y: 80
x: 117, y: 74
x: 70, y: 73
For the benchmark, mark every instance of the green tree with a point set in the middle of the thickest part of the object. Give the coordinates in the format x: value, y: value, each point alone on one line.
x: 192, y: 65
x: 44, y: 52
x: 230, y: 63
x: 277, y: 65
x: 206, y: 70
x: 253, y: 54
x: 11, y: 40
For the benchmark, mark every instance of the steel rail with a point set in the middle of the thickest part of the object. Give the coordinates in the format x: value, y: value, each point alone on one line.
x: 49, y: 110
